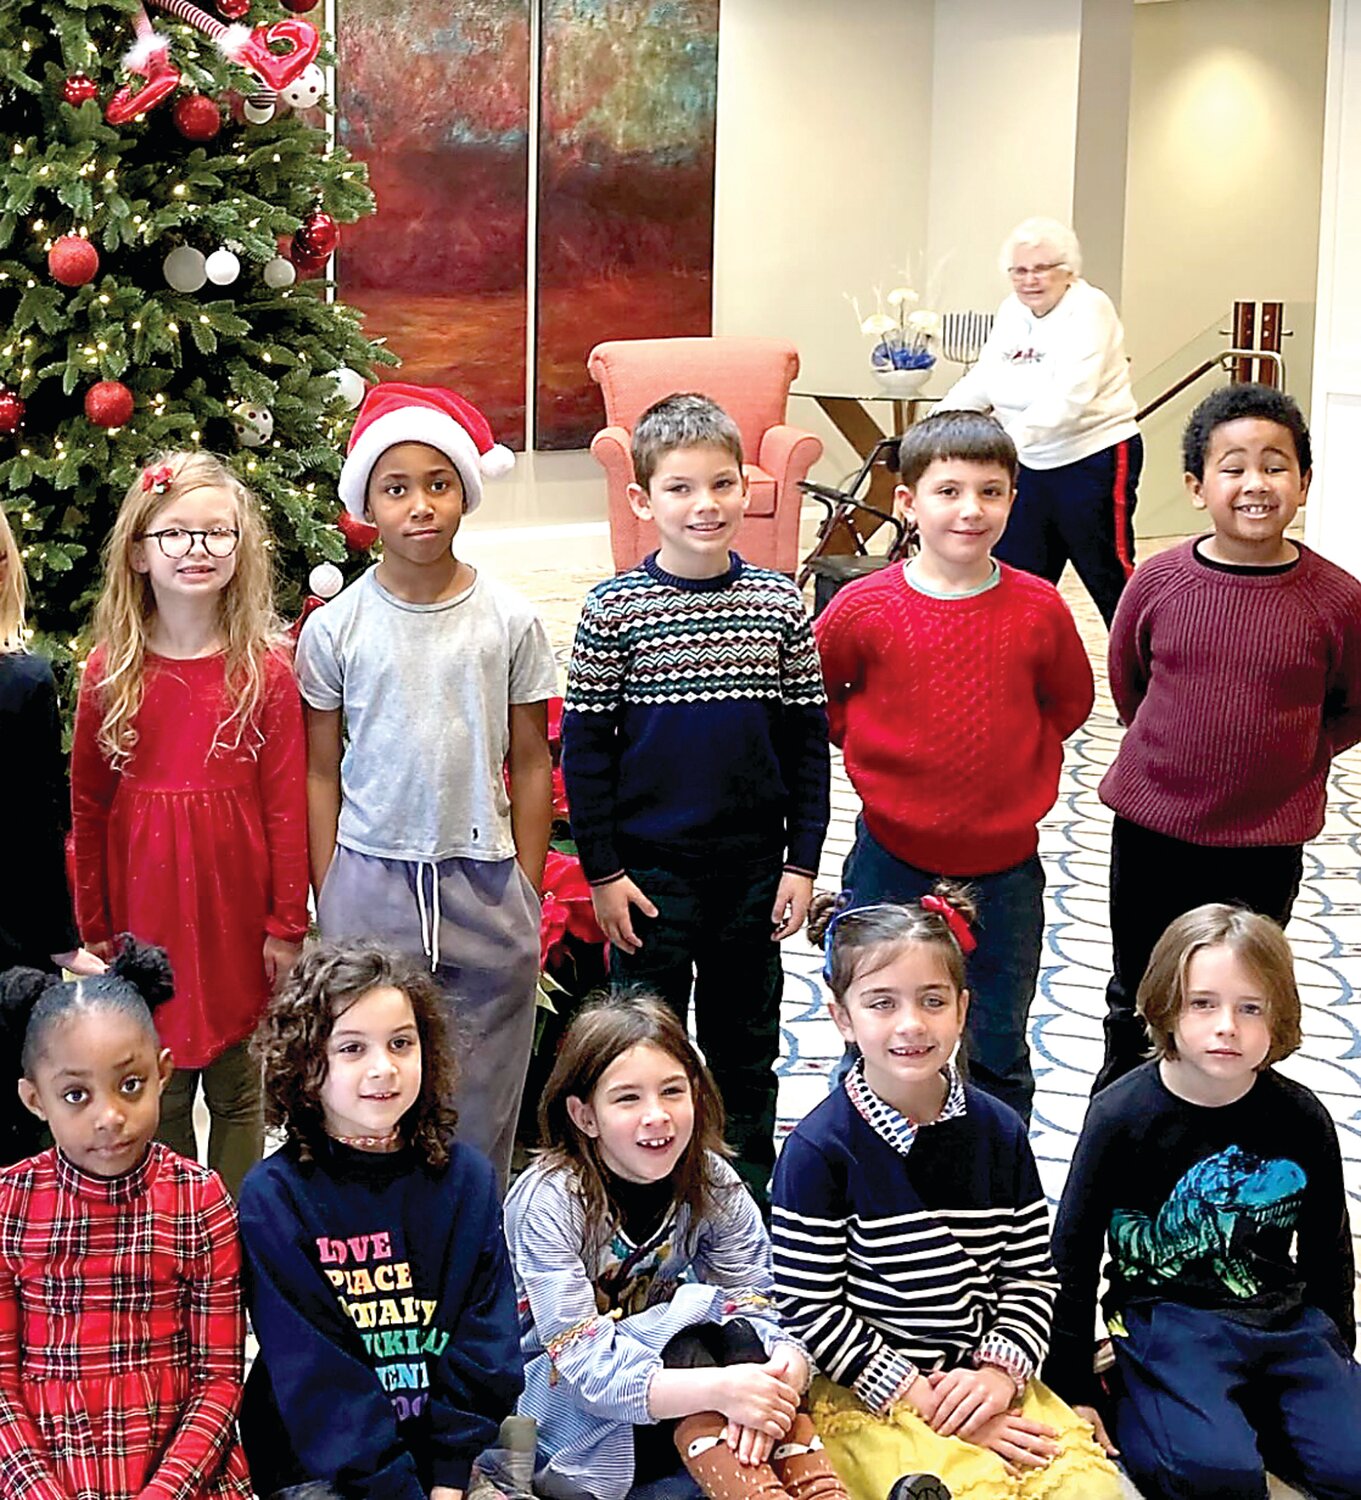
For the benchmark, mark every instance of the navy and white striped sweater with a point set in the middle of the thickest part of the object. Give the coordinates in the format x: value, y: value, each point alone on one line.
x: 695, y: 724
x: 886, y: 1258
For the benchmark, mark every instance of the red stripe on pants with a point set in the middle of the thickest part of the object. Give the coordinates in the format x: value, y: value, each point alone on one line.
x: 1120, y: 502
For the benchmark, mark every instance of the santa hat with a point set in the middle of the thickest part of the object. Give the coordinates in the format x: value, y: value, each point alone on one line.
x: 394, y: 413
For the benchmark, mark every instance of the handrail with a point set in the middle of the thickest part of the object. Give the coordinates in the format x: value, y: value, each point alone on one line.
x: 1224, y: 359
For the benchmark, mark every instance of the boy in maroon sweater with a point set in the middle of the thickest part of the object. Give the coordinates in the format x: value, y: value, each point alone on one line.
x: 952, y: 682
x: 1235, y: 664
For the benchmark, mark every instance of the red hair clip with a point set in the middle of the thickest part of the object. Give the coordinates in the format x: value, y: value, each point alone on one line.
x: 954, y: 920
x: 157, y: 479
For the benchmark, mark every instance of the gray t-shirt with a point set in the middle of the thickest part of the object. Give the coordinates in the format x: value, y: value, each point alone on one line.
x: 426, y: 691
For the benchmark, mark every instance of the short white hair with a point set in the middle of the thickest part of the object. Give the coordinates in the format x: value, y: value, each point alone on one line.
x: 1041, y: 231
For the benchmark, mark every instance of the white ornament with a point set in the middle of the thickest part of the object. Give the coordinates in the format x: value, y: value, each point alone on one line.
x: 258, y: 111
x: 280, y: 272
x: 185, y: 269
x: 254, y: 425
x: 307, y: 89
x: 326, y: 580
x: 350, y: 386
x: 222, y: 267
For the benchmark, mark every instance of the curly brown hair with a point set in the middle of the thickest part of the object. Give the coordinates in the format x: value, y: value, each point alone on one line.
x: 598, y: 1034
x: 291, y: 1043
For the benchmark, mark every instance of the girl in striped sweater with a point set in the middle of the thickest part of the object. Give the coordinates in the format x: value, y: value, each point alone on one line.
x: 642, y: 1271
x: 911, y: 1239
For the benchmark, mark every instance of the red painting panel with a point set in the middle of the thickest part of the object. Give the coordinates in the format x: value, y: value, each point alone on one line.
x: 626, y: 190
x: 434, y: 96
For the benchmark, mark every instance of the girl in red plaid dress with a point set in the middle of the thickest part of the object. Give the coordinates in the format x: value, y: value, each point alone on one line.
x: 120, y: 1313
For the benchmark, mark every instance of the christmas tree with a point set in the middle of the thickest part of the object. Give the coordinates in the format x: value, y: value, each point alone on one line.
x: 169, y: 204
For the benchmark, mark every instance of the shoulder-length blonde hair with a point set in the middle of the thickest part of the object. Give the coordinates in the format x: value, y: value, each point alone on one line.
x: 127, y: 604
x: 596, y: 1037
x: 13, y: 589
x: 1259, y: 945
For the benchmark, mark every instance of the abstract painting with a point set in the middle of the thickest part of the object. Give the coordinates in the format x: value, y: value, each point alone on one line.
x: 626, y: 190
x: 434, y: 97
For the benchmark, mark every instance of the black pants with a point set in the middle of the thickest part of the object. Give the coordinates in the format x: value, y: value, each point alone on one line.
x: 706, y: 1346
x: 1081, y: 513
x: 712, y: 933
x: 1155, y: 879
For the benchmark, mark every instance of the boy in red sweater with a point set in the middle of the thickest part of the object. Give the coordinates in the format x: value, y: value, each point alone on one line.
x: 1235, y: 665
x: 952, y: 682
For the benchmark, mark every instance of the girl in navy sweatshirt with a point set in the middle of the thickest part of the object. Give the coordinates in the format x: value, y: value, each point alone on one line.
x: 376, y: 1269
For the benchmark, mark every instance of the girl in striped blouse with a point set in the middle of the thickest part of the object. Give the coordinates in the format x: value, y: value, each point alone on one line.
x: 911, y: 1239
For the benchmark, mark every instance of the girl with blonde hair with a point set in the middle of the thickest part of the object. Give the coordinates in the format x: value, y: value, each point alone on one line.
x: 188, y: 782
x: 37, y: 927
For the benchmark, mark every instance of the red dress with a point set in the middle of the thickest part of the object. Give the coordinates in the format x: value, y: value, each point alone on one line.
x: 120, y: 1333
x: 201, y: 850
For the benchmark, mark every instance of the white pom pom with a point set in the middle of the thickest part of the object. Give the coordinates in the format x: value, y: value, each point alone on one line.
x: 326, y: 580
x: 232, y: 41
x: 496, y: 461
x: 136, y: 58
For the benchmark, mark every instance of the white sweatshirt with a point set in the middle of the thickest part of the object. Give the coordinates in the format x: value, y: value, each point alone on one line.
x: 1058, y: 384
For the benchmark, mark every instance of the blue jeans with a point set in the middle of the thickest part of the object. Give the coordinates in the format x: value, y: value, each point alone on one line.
x: 1002, y: 970
x: 1210, y: 1403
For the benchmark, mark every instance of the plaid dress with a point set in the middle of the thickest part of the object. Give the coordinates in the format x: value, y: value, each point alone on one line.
x: 120, y: 1333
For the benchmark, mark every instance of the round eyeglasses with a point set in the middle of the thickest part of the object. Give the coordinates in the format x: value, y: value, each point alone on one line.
x: 178, y: 541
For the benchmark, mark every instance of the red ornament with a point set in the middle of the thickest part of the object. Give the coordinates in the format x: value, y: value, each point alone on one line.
x: 298, y: 7
x: 233, y: 9
x: 78, y: 88
x: 318, y: 234
x: 11, y: 411
x: 196, y: 117
x: 359, y: 535
x: 72, y: 260
x: 109, y: 404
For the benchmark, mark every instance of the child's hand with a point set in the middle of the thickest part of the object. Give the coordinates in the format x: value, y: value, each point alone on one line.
x: 751, y: 1447
x: 756, y: 1396
x: 966, y: 1399
x: 1090, y: 1414
x: 445, y: 1492
x: 612, y: 903
x: 1018, y: 1440
x: 280, y: 956
x: 790, y: 1363
x: 791, y: 905
x: 922, y: 1399
x: 81, y: 962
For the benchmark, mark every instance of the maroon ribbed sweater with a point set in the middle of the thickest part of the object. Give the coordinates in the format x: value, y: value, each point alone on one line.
x: 1238, y: 690
x: 952, y: 714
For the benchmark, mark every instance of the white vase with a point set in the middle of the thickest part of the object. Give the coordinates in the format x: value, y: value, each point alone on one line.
x: 903, y: 382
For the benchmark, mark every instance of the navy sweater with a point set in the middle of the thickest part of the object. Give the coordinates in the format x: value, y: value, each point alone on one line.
x: 380, y: 1291
x: 695, y: 725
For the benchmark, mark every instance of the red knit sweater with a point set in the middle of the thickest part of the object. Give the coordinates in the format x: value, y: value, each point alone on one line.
x: 1238, y: 690
x: 952, y: 714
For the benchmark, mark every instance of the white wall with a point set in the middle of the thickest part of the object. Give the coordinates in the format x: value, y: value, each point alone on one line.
x: 1225, y: 143
x: 824, y: 117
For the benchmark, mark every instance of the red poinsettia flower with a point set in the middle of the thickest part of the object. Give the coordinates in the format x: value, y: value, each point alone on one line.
x: 567, y: 905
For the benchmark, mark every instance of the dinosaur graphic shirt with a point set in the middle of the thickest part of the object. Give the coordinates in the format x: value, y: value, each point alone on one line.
x: 1237, y: 1209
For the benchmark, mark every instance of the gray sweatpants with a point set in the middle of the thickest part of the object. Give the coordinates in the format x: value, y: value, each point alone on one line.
x: 476, y: 924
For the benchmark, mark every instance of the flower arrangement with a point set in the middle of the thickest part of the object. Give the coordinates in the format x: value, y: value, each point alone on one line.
x: 902, y: 337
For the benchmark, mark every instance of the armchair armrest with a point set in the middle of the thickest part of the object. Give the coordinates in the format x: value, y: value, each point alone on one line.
x: 612, y: 449
x: 787, y: 453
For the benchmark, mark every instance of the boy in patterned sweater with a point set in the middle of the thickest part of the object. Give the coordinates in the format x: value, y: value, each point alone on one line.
x: 696, y: 762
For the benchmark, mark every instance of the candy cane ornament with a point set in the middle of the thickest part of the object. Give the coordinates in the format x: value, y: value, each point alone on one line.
x: 149, y: 58
x: 251, y: 49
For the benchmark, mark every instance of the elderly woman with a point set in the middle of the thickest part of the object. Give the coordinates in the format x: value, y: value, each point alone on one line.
x: 1054, y: 373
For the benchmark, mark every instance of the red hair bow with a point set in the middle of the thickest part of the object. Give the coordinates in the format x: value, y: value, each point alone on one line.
x: 157, y: 479
x: 954, y: 920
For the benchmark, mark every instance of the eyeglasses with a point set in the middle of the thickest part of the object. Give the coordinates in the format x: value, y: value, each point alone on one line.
x: 178, y: 541
x: 1019, y: 273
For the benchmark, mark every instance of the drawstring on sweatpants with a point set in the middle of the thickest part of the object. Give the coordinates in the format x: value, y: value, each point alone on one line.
x: 430, y: 916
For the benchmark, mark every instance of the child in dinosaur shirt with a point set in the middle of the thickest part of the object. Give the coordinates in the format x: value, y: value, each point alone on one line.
x: 1217, y: 1185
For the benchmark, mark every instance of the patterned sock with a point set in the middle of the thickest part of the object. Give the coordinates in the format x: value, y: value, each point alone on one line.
x: 715, y: 1468
x: 802, y: 1465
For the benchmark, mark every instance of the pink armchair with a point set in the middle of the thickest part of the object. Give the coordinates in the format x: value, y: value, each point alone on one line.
x: 750, y: 379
